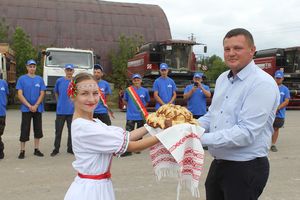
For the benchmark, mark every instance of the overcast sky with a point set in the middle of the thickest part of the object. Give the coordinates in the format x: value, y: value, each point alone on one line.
x: 273, y: 23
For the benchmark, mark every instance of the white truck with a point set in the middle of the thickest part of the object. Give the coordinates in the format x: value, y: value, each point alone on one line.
x: 54, y: 60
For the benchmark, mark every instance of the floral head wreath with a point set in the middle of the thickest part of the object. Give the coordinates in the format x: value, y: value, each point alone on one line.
x: 72, y: 89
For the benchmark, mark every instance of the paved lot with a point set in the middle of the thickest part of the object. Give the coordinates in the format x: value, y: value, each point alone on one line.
x: 49, y: 178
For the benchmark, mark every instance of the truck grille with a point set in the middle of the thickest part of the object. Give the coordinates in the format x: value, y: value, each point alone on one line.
x: 52, y: 80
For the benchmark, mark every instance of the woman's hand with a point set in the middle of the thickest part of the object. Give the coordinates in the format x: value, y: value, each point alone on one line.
x: 168, y: 123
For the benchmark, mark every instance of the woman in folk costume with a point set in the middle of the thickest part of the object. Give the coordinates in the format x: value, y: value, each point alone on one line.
x: 95, y: 143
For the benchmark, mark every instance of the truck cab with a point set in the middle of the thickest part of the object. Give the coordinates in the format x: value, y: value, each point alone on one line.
x: 54, y: 60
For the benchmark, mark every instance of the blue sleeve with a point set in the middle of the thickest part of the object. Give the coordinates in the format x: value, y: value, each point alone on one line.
x: 125, y: 96
x: 43, y: 86
x: 108, y: 88
x: 174, y: 86
x: 19, y: 84
x: 147, y: 95
x: 155, y: 86
x: 287, y: 93
x: 187, y: 89
x: 56, y: 86
x: 206, y: 87
x: 6, y: 88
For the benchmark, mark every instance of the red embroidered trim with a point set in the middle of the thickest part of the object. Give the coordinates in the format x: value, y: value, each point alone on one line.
x: 72, y: 90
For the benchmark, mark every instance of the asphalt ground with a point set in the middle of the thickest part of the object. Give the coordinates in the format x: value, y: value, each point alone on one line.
x: 48, y: 178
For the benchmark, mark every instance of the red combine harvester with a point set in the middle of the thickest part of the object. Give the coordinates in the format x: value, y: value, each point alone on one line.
x: 288, y: 60
x: 179, y: 56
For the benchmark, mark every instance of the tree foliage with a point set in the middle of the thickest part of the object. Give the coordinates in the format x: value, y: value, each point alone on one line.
x: 24, y: 51
x: 216, y: 66
x: 127, y: 48
x: 4, y: 28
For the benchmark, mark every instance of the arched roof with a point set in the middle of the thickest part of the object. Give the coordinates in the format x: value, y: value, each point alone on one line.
x: 86, y: 24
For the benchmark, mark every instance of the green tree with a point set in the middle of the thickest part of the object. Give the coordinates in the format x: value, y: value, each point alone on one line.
x: 216, y: 66
x: 127, y: 48
x: 24, y: 51
x: 4, y: 28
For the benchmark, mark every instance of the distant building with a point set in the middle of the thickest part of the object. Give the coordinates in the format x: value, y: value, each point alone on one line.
x: 86, y: 24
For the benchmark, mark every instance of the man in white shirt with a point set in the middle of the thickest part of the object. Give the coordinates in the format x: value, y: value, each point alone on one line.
x: 239, y: 123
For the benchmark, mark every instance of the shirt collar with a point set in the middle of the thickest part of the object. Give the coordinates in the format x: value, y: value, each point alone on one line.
x: 244, y: 73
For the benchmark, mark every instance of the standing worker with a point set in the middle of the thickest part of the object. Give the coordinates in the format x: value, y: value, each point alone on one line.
x: 31, y: 91
x: 136, y: 98
x: 196, y: 95
x: 3, y: 103
x: 280, y: 114
x: 164, y: 87
x: 102, y: 110
x: 239, y: 123
x: 64, y: 109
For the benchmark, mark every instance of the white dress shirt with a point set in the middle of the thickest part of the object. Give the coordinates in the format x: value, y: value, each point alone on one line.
x: 239, y: 122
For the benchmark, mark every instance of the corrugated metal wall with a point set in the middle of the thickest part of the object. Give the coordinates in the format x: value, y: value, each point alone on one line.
x: 87, y: 24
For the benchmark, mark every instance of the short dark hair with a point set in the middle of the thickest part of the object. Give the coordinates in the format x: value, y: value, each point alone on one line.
x: 240, y: 31
x: 98, y: 66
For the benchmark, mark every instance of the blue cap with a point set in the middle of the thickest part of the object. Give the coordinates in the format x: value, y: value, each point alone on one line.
x: 163, y: 66
x: 136, y: 76
x: 31, y: 62
x: 279, y: 74
x: 198, y: 75
x: 98, y: 66
x: 69, y: 66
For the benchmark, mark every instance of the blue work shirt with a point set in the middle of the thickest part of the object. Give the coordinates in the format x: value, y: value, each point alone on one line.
x: 31, y: 87
x: 239, y: 122
x: 165, y: 88
x: 132, y: 112
x: 284, y: 94
x: 64, y: 104
x: 3, y: 97
x: 105, y: 88
x: 197, y: 101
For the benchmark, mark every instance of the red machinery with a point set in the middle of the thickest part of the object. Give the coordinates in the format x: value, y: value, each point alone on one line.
x: 288, y: 60
x: 179, y: 56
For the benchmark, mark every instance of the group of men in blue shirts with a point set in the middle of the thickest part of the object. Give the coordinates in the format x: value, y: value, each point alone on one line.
x: 31, y: 91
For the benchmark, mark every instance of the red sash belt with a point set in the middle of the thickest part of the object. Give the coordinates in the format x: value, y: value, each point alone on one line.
x: 106, y: 175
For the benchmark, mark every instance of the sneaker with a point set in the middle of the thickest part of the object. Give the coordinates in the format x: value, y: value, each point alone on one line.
x: 274, y: 148
x: 54, y: 153
x: 70, y: 151
x: 126, y: 154
x: 38, y: 153
x: 1, y: 154
x: 22, y: 154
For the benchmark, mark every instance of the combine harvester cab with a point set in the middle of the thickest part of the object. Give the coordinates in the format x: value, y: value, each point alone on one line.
x: 287, y: 60
x: 179, y: 56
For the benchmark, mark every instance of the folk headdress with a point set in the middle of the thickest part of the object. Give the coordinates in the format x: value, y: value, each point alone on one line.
x: 72, y: 89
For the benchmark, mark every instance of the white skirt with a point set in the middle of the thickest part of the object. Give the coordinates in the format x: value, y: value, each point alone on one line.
x: 89, y: 189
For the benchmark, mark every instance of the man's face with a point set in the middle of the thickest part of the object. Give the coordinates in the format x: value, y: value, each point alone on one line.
x: 69, y: 72
x: 278, y: 80
x: 98, y: 74
x: 137, y: 82
x: 31, y: 69
x: 198, y: 80
x: 237, y: 52
x: 164, y: 72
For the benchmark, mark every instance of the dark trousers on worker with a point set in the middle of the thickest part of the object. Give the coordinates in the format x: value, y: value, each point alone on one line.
x: 59, y: 125
x: 2, y: 126
x: 103, y: 117
x: 130, y: 124
x: 237, y: 180
x: 25, y: 125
